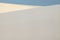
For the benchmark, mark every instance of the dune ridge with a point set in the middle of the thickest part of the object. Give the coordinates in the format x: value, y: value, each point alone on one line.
x: 5, y: 7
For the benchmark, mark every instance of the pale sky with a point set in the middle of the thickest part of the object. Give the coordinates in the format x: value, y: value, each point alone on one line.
x: 33, y: 2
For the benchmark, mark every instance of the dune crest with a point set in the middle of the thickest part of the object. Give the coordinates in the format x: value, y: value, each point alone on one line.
x: 5, y: 7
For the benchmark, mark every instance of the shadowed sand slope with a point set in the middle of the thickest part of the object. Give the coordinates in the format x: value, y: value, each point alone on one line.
x: 42, y: 23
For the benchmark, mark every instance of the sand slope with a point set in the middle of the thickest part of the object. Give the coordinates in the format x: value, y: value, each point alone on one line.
x: 6, y: 7
x: 42, y: 23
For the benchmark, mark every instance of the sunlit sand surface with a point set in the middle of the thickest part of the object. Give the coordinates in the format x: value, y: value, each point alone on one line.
x: 41, y: 23
x: 5, y: 7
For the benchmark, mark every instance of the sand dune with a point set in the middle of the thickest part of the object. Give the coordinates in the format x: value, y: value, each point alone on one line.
x: 41, y: 23
x: 5, y: 7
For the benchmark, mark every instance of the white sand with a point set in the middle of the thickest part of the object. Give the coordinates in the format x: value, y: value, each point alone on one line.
x: 41, y: 23
x: 5, y: 7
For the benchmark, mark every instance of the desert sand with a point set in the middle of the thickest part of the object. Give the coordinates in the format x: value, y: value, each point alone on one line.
x: 40, y: 23
x: 6, y: 7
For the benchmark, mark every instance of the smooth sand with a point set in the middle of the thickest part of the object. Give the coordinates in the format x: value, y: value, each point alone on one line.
x: 42, y: 23
x: 5, y: 7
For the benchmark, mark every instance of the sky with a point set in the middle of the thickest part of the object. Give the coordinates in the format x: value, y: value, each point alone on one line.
x: 33, y: 2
